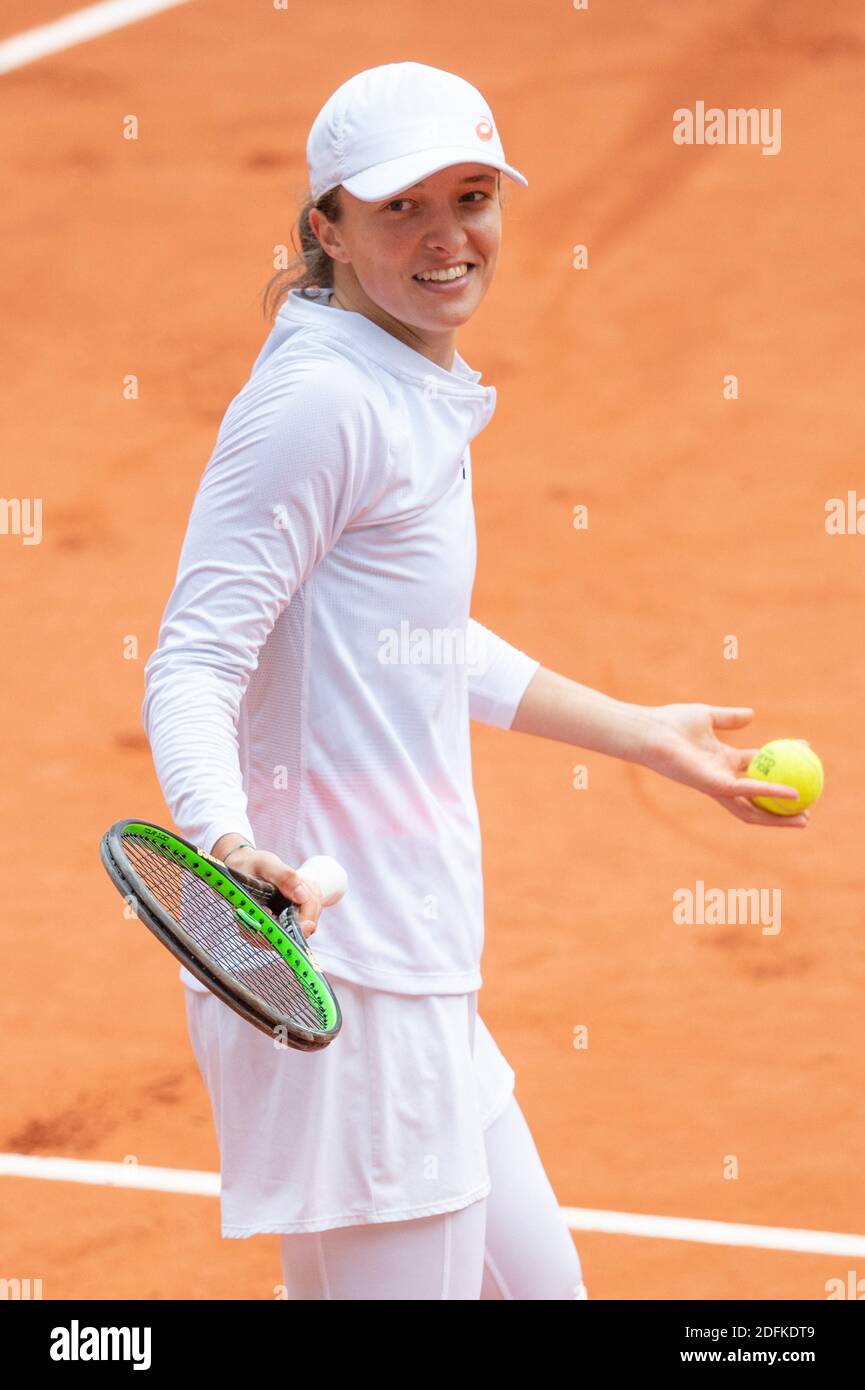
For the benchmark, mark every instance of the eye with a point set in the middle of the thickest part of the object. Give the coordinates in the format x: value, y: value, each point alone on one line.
x: 394, y: 203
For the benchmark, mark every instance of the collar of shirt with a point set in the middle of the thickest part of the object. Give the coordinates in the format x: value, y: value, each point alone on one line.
x: 376, y: 343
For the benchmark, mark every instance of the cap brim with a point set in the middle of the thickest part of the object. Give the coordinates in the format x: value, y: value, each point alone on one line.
x: 395, y: 175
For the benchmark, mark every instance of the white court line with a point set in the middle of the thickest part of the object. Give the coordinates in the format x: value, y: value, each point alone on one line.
x: 624, y: 1223
x: 617, y: 1223
x: 74, y: 28
x: 188, y: 1180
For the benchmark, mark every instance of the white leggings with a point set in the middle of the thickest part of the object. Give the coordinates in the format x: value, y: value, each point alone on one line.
x: 511, y: 1244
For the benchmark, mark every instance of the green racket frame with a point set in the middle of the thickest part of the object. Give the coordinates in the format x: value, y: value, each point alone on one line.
x: 237, y: 890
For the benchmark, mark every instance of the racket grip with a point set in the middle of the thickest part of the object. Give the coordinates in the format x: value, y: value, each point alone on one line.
x: 329, y: 876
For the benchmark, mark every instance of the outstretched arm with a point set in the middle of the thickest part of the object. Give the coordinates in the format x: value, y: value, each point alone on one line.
x: 678, y: 741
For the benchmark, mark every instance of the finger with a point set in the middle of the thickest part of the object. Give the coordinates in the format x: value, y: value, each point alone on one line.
x: 741, y: 809
x: 754, y: 815
x: 740, y: 813
x: 743, y: 758
x: 293, y: 886
x: 260, y: 863
x: 308, y: 927
x: 311, y: 910
x: 730, y: 716
x: 265, y: 865
x: 314, y: 905
x: 305, y: 894
x: 752, y: 786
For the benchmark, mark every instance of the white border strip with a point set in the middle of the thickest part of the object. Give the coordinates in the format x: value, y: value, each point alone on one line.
x: 616, y: 1223
x: 77, y: 27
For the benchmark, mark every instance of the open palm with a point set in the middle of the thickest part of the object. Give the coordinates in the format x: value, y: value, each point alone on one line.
x: 684, y: 746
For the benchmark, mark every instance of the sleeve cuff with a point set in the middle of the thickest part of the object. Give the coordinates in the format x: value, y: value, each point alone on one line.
x: 499, y: 680
x: 226, y: 825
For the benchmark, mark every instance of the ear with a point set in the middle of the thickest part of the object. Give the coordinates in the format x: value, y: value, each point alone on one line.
x: 328, y: 234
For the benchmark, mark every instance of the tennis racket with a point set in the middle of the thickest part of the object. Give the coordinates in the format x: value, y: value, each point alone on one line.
x: 238, y: 935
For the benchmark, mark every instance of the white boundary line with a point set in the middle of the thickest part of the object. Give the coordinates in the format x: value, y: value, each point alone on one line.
x: 188, y: 1180
x: 616, y: 1223
x: 623, y: 1223
x: 74, y: 28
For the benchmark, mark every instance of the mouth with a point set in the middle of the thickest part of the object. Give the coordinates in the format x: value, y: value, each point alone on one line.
x: 449, y: 280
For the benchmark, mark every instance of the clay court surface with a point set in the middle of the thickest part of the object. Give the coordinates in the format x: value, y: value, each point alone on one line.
x: 706, y: 520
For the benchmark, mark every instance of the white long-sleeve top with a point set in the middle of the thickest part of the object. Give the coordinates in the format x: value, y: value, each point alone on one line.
x: 317, y: 666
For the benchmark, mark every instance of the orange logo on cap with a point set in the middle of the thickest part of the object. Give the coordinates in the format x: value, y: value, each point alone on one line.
x: 484, y: 130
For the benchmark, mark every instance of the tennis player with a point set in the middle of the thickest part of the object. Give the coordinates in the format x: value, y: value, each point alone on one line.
x: 311, y: 693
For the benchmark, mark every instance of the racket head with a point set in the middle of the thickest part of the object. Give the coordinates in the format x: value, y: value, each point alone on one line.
x: 190, y: 902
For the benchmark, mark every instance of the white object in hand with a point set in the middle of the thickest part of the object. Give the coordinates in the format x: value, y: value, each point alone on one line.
x: 327, y: 875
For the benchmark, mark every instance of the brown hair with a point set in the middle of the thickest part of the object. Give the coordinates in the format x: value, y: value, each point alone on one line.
x: 312, y: 267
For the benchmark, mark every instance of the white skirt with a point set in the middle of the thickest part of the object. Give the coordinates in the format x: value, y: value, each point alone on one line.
x: 384, y: 1124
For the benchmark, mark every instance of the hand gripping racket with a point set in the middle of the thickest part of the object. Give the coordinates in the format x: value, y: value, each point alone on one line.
x: 238, y: 935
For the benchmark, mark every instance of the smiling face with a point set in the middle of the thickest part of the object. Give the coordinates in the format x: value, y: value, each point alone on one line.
x: 384, y: 251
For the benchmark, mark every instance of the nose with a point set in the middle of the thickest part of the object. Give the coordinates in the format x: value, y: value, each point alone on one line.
x: 445, y: 233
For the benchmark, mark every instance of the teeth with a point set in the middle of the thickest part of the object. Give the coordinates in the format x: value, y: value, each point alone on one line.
x: 454, y: 273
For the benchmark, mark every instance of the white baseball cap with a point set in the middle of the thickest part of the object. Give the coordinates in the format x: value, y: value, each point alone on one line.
x: 389, y: 127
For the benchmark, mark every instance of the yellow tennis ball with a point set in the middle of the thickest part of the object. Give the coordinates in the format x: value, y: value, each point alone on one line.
x: 793, y: 762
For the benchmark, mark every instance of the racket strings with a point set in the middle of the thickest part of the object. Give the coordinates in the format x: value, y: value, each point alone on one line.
x: 209, y: 920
